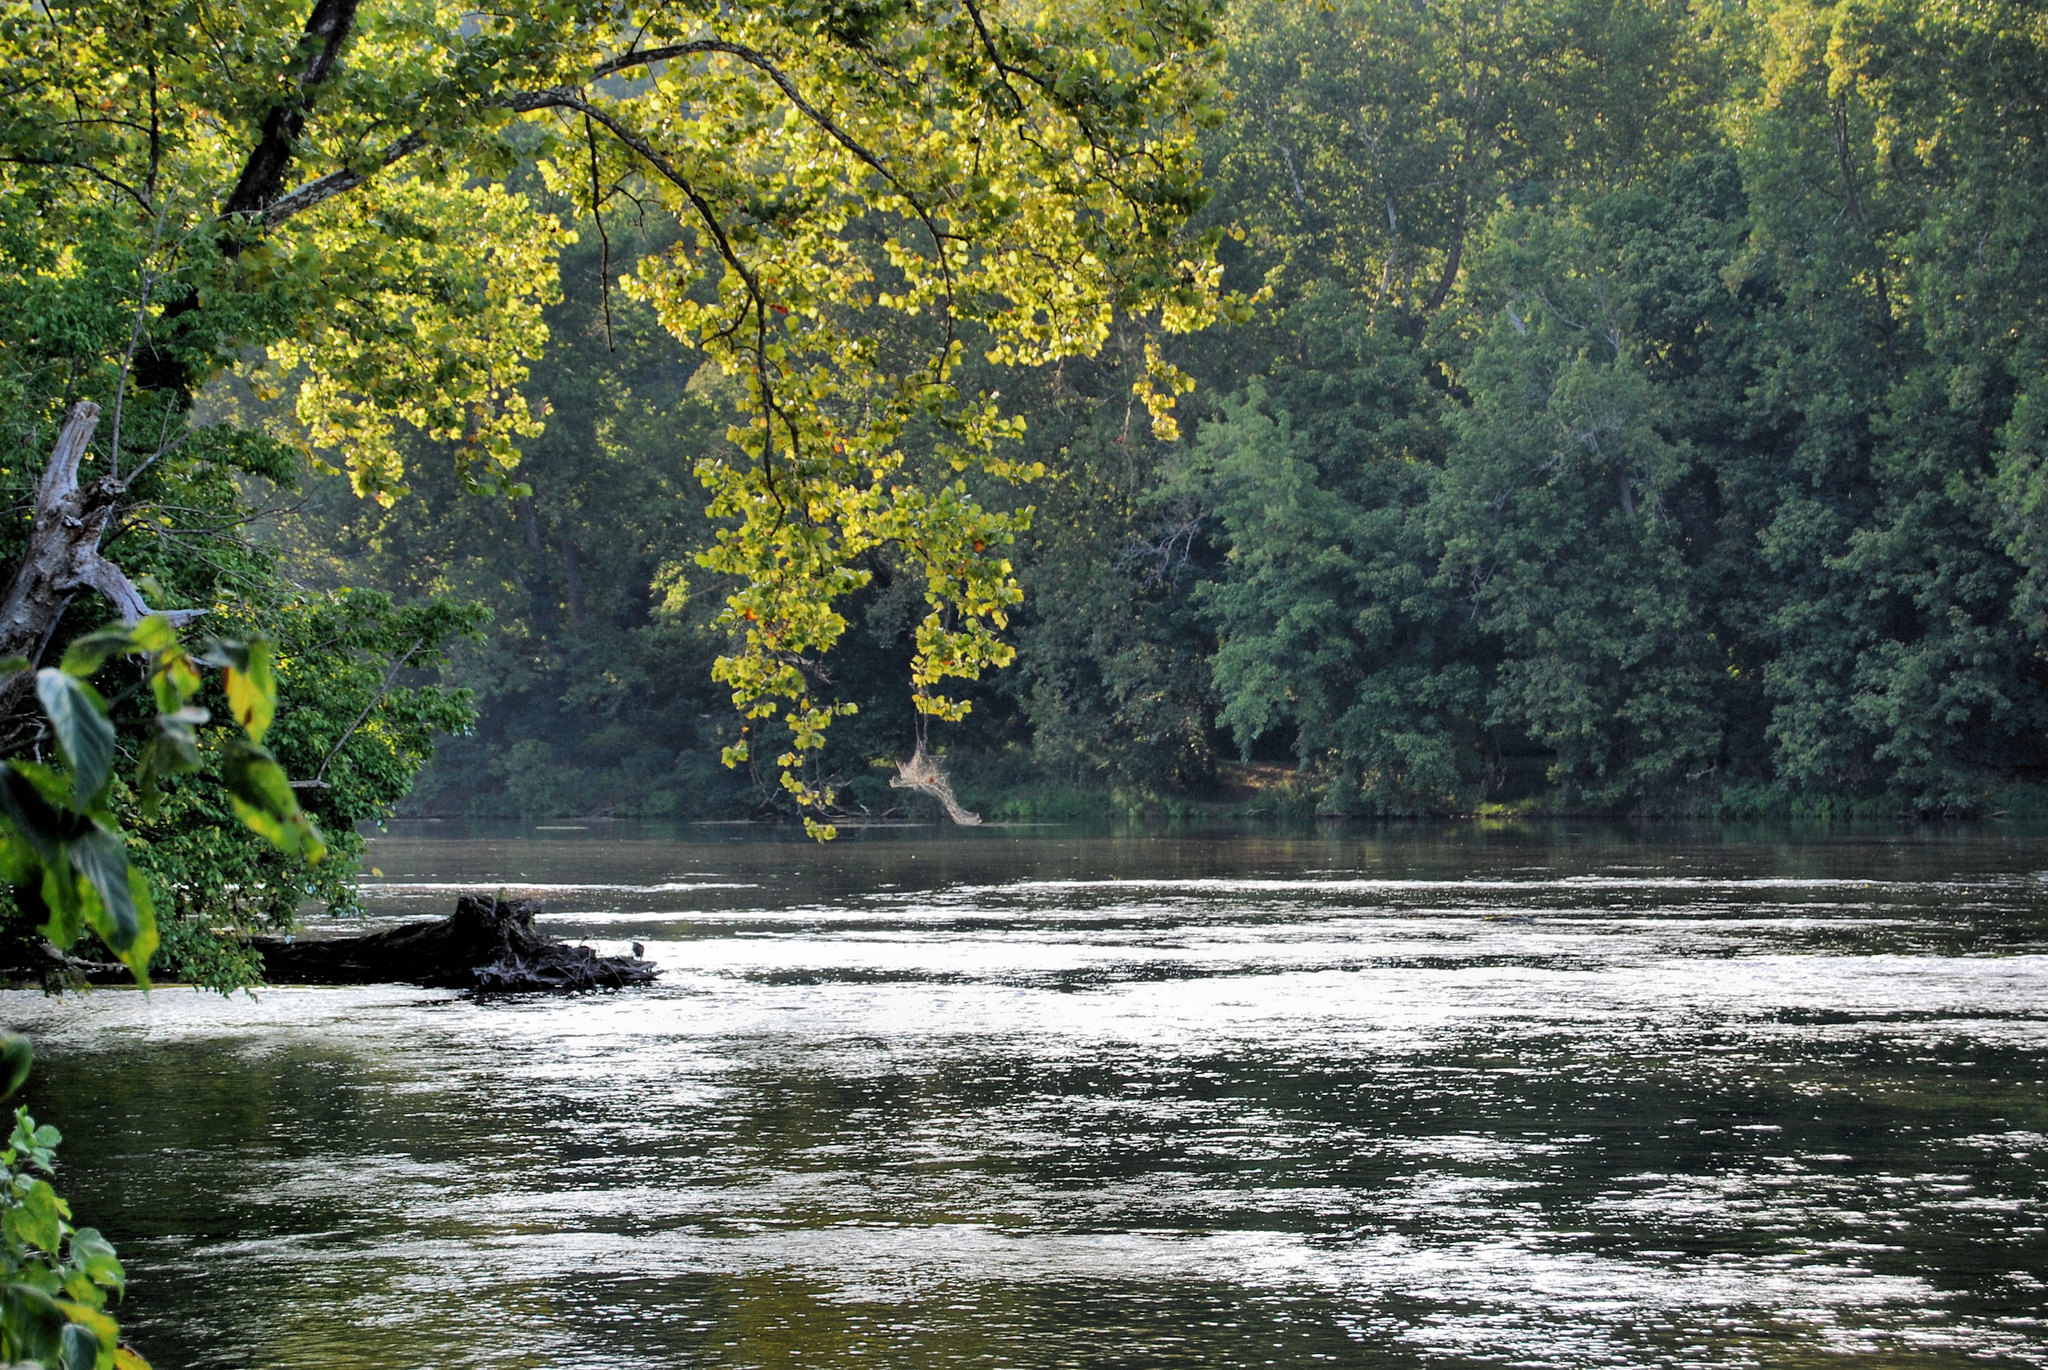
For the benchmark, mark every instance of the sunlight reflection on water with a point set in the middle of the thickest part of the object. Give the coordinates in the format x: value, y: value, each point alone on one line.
x: 1046, y: 1100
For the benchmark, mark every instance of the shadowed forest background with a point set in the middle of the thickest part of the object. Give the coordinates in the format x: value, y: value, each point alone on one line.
x: 1646, y: 413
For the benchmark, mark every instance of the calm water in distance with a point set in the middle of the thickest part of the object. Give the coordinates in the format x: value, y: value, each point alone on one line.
x: 1035, y: 1097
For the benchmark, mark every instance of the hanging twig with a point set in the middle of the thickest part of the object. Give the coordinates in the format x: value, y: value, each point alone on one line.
x: 604, y: 274
x: 319, y: 780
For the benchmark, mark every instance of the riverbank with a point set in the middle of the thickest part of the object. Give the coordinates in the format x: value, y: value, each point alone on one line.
x: 1005, y: 788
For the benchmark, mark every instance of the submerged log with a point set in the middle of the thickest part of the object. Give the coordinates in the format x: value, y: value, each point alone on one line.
x: 489, y: 946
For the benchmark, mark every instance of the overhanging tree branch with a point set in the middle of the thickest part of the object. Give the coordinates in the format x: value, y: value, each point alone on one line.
x: 262, y: 178
x: 319, y: 191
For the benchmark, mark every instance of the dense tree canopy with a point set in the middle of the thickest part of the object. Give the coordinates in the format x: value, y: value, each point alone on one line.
x: 1642, y: 409
x: 1645, y: 415
x: 251, y: 237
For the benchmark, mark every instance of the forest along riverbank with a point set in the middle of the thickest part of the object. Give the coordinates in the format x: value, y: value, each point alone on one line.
x: 1025, y: 1096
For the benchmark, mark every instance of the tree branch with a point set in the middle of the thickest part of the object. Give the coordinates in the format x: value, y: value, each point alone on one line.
x: 334, y: 183
x: 63, y: 554
x: 319, y: 780
x: 262, y: 179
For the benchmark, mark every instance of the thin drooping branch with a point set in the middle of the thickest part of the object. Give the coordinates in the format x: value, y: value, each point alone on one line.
x: 562, y: 98
x: 604, y: 267
x: 1004, y: 71
x: 319, y: 780
x: 753, y: 57
x: 148, y: 283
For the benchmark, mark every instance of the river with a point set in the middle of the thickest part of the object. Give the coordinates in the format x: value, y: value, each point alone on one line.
x: 1035, y: 1097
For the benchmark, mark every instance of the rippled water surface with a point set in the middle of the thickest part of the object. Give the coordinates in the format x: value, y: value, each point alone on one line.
x: 1026, y: 1098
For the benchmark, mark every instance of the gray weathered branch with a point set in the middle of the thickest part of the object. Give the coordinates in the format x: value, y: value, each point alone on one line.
x: 63, y: 555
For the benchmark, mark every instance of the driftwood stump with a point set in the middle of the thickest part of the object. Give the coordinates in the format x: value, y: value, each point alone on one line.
x: 489, y: 946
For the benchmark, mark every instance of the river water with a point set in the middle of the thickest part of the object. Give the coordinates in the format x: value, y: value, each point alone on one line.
x: 1033, y: 1097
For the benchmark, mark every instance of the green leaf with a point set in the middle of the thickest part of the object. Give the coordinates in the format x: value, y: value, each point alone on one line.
x: 252, y: 690
x: 262, y: 798
x: 224, y: 652
x: 90, y: 652
x: 155, y: 633
x: 120, y: 912
x: 19, y: 864
x: 173, y: 750
x: 16, y: 1056
x: 59, y: 895
x: 78, y: 717
x: 26, y: 1139
x: 103, y: 1329
x: 94, y: 1256
x: 25, y: 803
x: 81, y: 1348
x: 32, y: 1319
x: 37, y: 1219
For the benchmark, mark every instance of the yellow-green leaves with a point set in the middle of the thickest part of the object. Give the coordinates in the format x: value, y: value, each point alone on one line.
x: 922, y: 194
x: 252, y: 690
x: 262, y: 798
x: 450, y: 282
x: 857, y: 197
x: 53, y: 1299
x: 60, y: 845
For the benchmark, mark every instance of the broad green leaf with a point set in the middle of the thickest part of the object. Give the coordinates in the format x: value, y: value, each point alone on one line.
x: 18, y: 862
x: 173, y: 750
x: 38, y: 1218
x: 94, y: 1255
x: 156, y: 633
x: 120, y: 910
x: 16, y: 1056
x: 262, y: 798
x: 252, y: 690
x: 104, y: 1329
x: 81, y: 1348
x: 52, y: 788
x: 90, y: 652
x: 78, y: 1286
x: 78, y: 718
x: 224, y: 652
x: 34, y: 1320
x: 60, y: 896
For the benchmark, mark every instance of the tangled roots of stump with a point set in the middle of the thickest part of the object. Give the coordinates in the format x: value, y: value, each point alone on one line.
x: 489, y: 946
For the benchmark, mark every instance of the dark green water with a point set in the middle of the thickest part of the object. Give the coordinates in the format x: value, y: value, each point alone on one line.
x: 1420, y: 1097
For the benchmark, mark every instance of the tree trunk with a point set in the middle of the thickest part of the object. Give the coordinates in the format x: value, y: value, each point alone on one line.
x: 63, y: 555
x: 574, y: 577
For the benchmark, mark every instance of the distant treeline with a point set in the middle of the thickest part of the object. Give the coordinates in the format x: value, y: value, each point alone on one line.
x: 1647, y: 411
